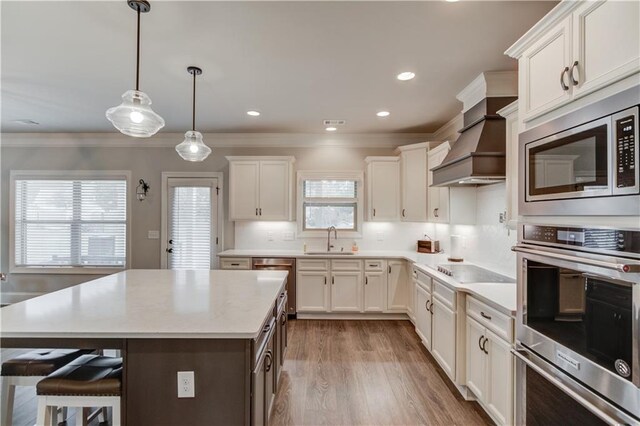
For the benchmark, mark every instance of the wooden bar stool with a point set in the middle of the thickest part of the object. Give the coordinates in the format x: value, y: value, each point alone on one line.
x: 88, y: 381
x: 28, y: 369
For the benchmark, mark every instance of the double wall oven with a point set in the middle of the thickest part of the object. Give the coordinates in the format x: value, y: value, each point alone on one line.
x: 578, y: 324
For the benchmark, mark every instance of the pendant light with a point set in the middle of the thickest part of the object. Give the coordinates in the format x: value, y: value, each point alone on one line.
x: 192, y: 148
x: 134, y: 116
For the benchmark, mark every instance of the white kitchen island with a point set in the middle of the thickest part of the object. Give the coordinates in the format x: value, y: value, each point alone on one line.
x: 220, y: 324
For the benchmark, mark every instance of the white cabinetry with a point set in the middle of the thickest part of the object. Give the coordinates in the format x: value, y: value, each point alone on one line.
x: 260, y: 188
x: 576, y: 49
x: 489, y: 362
x: 346, y: 285
x: 325, y: 285
x: 397, y: 286
x: 312, y: 292
x: 383, y: 188
x: 444, y: 332
x: 413, y: 179
x: 423, y: 309
x: 375, y: 285
x: 510, y: 113
x: 455, y: 205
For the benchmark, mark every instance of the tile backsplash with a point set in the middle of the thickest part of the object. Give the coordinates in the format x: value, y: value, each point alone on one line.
x: 487, y: 243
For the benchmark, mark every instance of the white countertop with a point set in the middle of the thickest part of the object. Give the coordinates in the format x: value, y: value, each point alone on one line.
x: 500, y: 295
x: 151, y: 304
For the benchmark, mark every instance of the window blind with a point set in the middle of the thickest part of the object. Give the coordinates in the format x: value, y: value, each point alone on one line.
x: 70, y: 223
x: 190, y: 227
x: 330, y: 203
x: 330, y: 189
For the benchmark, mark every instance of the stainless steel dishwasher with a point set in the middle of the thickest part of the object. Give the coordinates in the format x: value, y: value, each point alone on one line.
x: 281, y: 264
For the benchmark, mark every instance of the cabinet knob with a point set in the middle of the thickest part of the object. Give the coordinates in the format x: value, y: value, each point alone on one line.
x: 374, y: 212
x: 562, y: 83
x: 366, y: 280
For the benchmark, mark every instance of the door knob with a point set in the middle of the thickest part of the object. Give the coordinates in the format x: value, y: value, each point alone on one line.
x: 169, y: 250
x: 3, y: 276
x: 170, y: 241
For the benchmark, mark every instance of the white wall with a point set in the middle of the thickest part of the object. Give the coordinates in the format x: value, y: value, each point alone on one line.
x: 487, y: 243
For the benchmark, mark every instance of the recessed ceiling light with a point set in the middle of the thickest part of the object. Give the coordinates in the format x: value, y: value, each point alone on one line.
x: 451, y: 1
x: 253, y: 113
x: 383, y: 113
x: 26, y: 121
x: 331, y: 129
x: 407, y: 75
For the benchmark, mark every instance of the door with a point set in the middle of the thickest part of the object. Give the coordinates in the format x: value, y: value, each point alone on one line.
x: 606, y: 42
x: 545, y: 67
x: 192, y: 218
x: 345, y: 291
x: 244, y: 186
x: 396, y: 285
x: 444, y: 337
x: 423, y: 316
x: 438, y: 197
x: 414, y: 185
x: 476, y: 359
x: 499, y: 384
x: 312, y: 291
x: 385, y: 191
x: 374, y: 288
x: 274, y: 190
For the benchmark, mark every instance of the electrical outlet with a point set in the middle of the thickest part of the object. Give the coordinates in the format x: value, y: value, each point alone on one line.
x: 380, y: 236
x: 186, y: 384
x: 287, y: 236
x: 270, y: 236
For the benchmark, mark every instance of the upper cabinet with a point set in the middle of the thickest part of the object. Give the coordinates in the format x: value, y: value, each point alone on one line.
x: 577, y: 49
x: 413, y: 180
x: 383, y: 189
x: 260, y: 188
x: 455, y: 205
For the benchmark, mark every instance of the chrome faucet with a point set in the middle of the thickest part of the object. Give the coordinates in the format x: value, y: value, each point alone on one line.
x: 335, y: 235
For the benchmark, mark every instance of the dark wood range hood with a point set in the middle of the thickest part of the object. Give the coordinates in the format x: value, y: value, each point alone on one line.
x: 478, y: 156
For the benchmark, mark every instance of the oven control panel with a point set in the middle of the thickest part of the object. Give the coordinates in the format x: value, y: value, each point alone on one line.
x: 588, y: 239
x: 625, y: 131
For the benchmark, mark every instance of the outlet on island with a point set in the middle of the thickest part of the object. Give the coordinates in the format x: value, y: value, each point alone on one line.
x: 186, y: 384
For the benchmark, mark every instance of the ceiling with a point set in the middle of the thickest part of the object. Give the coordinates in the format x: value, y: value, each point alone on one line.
x: 65, y: 63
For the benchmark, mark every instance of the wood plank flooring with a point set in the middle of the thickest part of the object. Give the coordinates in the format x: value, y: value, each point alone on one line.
x: 365, y: 373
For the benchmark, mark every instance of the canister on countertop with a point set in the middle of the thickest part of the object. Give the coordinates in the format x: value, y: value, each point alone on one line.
x: 456, y: 249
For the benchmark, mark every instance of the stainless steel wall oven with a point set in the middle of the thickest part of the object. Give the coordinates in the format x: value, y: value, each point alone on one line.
x: 578, y: 324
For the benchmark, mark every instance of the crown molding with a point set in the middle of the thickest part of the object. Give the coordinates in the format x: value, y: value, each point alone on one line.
x: 214, y: 140
x: 555, y: 15
x: 450, y: 128
x: 489, y: 84
x: 509, y: 109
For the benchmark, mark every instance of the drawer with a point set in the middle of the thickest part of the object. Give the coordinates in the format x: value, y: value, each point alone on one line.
x: 346, y: 265
x: 235, y: 263
x: 445, y: 294
x: 422, y: 279
x: 374, y: 265
x: 312, y: 264
x: 259, y: 343
x: 491, y: 318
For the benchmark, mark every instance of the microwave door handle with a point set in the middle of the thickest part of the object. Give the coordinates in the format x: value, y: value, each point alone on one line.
x: 591, y: 402
x: 620, y: 267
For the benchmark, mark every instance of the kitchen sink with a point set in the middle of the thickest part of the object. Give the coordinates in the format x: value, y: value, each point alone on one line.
x: 329, y: 253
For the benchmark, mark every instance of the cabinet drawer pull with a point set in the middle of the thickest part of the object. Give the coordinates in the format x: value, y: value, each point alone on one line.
x: 571, y: 74
x: 256, y: 211
x: 366, y: 280
x: 333, y: 280
x: 403, y: 215
x: 485, y: 316
x: 269, y: 358
x: 373, y: 266
x: 426, y: 305
x: 325, y: 280
x: 389, y: 269
x: 266, y: 328
x: 260, y: 211
x: 284, y: 318
x: 562, y: 83
x: 484, y: 346
x: 435, y: 212
x: 235, y: 264
x: 431, y: 307
x: 480, y: 343
x: 374, y: 212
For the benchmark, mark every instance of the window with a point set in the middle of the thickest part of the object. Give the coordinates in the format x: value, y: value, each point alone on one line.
x: 70, y: 222
x: 331, y: 199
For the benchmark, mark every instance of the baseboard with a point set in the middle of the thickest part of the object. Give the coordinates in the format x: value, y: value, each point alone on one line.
x: 352, y: 316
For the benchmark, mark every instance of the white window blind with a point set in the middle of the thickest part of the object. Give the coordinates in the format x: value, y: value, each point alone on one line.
x: 70, y: 222
x: 190, y: 227
x: 330, y: 203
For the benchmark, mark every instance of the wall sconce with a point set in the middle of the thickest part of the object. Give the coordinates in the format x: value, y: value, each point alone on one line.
x: 142, y: 189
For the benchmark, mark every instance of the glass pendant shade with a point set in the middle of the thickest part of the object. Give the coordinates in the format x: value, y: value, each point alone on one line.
x: 134, y: 116
x: 192, y: 148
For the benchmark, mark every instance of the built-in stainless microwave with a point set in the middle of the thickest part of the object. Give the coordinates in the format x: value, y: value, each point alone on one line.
x: 588, y: 169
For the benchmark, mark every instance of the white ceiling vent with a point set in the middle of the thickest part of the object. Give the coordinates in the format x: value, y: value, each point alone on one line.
x: 335, y: 122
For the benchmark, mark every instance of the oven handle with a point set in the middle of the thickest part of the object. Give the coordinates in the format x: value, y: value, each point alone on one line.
x: 605, y: 411
x: 620, y: 267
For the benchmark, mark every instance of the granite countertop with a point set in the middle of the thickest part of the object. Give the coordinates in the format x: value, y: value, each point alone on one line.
x: 500, y: 295
x: 151, y: 304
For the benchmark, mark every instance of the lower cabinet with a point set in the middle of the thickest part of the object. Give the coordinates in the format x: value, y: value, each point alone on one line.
x: 397, y: 286
x: 262, y: 385
x: 312, y: 292
x: 346, y: 292
x: 375, y: 286
x: 411, y: 298
x: 443, y: 346
x: 490, y: 370
x: 423, y: 315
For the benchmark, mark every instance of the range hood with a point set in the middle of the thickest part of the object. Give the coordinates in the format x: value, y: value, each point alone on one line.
x: 478, y: 156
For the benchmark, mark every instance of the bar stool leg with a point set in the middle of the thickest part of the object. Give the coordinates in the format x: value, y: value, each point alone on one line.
x: 104, y: 415
x: 115, y: 414
x: 8, y: 394
x: 44, y: 413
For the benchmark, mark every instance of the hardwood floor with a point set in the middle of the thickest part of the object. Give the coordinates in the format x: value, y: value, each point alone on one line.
x: 365, y: 373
